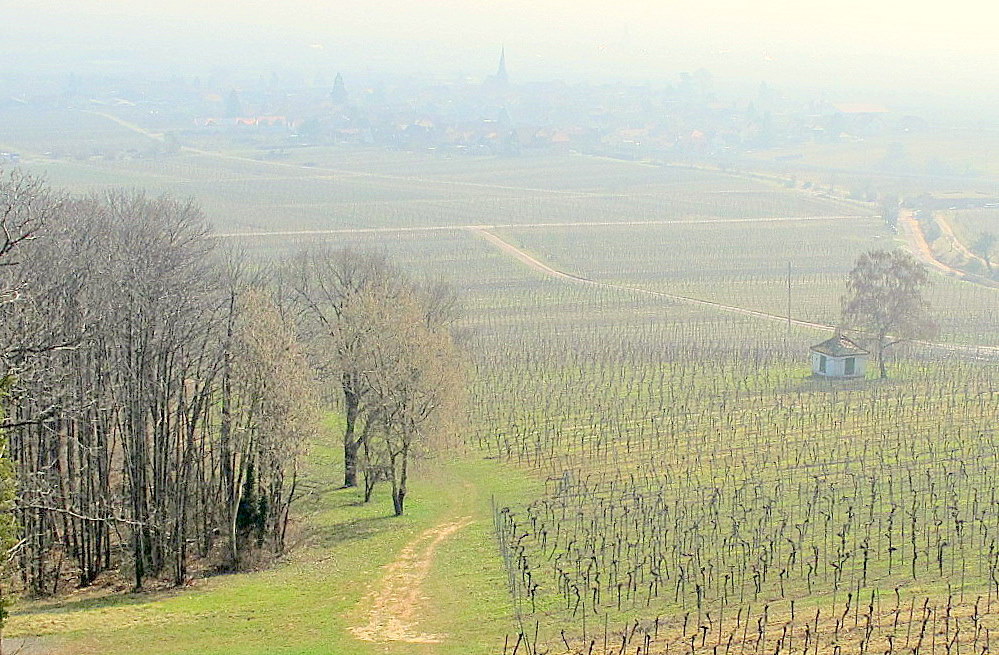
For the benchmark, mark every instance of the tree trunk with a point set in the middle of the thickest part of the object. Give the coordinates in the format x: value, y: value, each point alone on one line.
x: 138, y: 557
x: 351, y: 405
x: 287, y: 509
x: 233, y: 539
x: 370, y: 469
x: 233, y: 536
x: 398, y: 498
x: 349, y: 458
x: 399, y: 488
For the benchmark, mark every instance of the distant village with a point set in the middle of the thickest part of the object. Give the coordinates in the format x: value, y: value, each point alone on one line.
x: 493, y: 116
x: 683, y: 121
x: 500, y: 117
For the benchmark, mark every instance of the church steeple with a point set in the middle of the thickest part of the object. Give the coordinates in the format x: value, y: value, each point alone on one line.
x: 339, y: 93
x: 501, y: 76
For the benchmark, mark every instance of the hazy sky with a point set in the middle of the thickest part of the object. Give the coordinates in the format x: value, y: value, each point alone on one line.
x: 889, y: 44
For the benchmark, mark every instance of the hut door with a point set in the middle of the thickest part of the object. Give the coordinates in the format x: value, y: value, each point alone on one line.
x: 850, y: 366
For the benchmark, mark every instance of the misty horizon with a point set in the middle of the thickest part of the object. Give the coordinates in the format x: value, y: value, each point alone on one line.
x: 450, y: 328
x: 916, y: 59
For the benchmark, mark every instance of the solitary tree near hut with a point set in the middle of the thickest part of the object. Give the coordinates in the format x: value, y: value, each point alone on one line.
x: 884, y: 300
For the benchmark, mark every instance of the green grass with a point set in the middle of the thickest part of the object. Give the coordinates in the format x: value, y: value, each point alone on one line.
x: 306, y: 603
x: 640, y: 400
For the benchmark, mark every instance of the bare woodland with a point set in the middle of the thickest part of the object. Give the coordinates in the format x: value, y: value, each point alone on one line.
x: 161, y: 392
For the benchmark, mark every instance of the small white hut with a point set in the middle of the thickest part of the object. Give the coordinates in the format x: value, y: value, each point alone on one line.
x: 839, y: 357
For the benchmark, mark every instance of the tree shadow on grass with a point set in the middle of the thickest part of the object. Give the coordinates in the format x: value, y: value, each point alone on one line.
x: 338, y: 516
x: 102, y: 601
x: 346, y: 531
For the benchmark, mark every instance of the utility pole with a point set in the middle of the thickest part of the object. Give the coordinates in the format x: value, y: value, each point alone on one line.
x: 789, y: 300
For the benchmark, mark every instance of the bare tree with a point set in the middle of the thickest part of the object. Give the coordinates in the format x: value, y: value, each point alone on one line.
x: 328, y: 285
x: 276, y: 409
x: 983, y: 246
x: 133, y: 441
x: 884, y: 300
x: 417, y: 387
x: 26, y: 206
x: 389, y: 342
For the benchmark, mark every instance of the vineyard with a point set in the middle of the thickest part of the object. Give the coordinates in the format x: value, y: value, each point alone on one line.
x: 701, y: 492
x: 701, y: 503
x: 703, y: 495
x: 252, y: 190
x: 969, y: 223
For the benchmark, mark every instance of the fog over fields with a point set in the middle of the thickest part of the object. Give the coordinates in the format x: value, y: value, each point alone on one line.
x: 887, y: 48
x: 499, y: 328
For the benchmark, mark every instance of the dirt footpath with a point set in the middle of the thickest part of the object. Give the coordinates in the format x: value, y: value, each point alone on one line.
x: 395, y: 605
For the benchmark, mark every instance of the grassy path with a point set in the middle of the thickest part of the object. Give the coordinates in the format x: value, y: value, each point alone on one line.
x: 331, y: 582
x: 394, y: 608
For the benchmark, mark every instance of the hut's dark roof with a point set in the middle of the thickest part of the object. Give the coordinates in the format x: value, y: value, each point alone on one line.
x: 839, y: 346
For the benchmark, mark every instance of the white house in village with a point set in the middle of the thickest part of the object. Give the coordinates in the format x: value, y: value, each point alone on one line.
x: 839, y: 357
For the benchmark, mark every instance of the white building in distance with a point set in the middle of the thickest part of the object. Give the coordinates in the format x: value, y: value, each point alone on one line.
x: 839, y: 357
